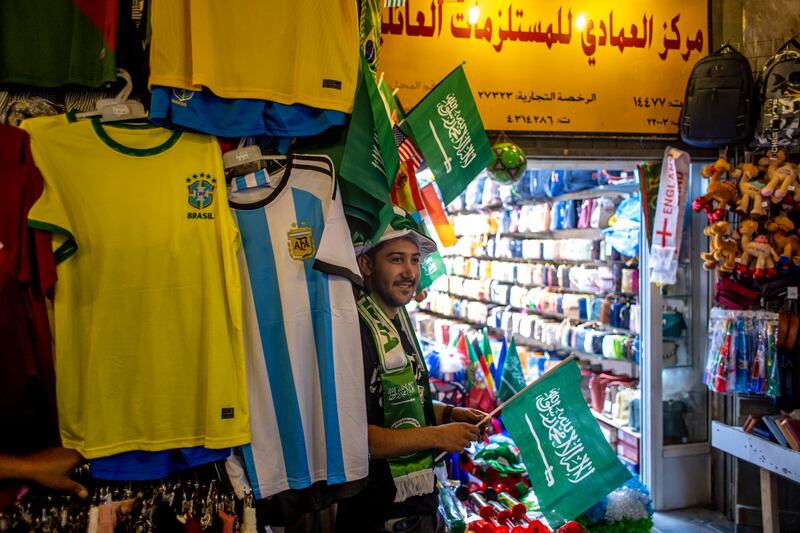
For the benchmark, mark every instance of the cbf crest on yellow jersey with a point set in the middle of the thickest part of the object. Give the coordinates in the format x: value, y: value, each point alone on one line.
x: 148, y: 321
x: 286, y: 51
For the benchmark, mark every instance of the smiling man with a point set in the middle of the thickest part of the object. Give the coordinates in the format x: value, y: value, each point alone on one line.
x: 405, y: 425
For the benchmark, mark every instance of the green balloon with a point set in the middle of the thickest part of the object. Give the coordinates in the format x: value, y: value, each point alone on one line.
x: 508, y: 163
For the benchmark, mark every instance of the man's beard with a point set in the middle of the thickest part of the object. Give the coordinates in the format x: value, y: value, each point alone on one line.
x: 391, y: 298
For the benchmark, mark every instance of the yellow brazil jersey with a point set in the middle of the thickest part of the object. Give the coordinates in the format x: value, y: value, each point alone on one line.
x: 148, y: 325
x: 287, y: 51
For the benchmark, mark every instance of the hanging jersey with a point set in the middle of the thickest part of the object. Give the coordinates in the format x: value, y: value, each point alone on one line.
x: 304, y: 364
x: 147, y: 323
x: 148, y: 466
x: 287, y: 51
x: 205, y: 112
x: 27, y: 271
x: 49, y: 43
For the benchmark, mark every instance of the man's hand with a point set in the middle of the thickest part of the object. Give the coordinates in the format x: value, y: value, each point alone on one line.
x: 456, y: 436
x: 470, y: 416
x: 51, y: 467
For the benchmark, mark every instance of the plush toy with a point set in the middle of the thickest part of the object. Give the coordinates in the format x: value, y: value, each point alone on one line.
x: 722, y: 248
x: 787, y: 243
x: 749, y: 189
x: 722, y: 192
x: 744, y: 236
x: 782, y: 178
x: 764, y: 255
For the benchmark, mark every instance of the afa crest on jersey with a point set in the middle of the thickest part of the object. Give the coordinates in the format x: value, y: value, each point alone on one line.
x: 201, y: 190
x: 301, y: 242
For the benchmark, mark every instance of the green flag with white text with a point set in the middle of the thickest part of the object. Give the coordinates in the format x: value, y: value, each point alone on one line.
x: 512, y: 380
x: 447, y: 129
x: 370, y: 158
x: 384, y: 135
x: 570, y: 464
x: 431, y: 269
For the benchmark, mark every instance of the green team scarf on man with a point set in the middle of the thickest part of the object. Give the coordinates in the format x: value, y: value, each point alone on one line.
x: 402, y: 406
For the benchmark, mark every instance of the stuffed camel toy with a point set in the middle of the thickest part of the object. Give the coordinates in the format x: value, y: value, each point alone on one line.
x: 721, y: 193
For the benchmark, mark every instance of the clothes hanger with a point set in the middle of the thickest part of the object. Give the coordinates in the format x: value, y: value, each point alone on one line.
x: 119, y: 107
x: 247, y: 158
x: 247, y: 153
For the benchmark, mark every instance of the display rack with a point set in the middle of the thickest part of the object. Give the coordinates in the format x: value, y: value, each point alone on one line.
x: 613, y: 365
x: 612, y: 427
x: 771, y: 459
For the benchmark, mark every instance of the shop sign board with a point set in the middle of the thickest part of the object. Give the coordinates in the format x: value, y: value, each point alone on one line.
x: 557, y: 66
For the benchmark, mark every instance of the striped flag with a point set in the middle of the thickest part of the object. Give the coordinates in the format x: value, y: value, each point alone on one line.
x: 406, y: 149
x: 438, y: 217
x: 394, y: 3
x: 405, y: 193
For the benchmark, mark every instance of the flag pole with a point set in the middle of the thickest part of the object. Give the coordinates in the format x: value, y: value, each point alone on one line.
x: 500, y: 407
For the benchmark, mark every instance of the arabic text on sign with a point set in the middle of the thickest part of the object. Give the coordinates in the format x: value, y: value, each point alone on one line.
x: 513, y: 25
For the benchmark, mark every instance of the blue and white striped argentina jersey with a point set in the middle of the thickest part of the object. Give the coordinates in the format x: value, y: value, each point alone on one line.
x: 305, y: 374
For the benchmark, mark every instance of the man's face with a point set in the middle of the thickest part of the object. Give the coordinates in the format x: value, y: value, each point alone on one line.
x: 394, y: 273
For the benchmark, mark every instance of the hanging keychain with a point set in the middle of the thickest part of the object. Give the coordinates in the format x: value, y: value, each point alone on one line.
x: 715, y: 338
x: 721, y: 371
x: 758, y: 370
x: 773, y: 381
x: 742, y: 355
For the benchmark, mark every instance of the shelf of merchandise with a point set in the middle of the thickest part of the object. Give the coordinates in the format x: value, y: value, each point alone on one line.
x: 614, y: 365
x: 556, y: 316
x: 554, y: 288
x: 596, y: 192
x: 772, y: 461
x: 479, y: 209
x: 576, y: 233
x: 617, y: 425
x: 557, y: 261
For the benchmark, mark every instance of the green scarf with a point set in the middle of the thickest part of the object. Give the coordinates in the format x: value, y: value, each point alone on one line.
x: 402, y: 405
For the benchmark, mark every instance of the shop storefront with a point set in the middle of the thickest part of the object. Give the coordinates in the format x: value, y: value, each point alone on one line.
x: 394, y: 265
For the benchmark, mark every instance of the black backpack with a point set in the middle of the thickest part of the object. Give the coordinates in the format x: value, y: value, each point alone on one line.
x: 779, y: 99
x: 719, y: 103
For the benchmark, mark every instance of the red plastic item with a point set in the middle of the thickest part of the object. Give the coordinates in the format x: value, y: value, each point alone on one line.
x: 538, y: 527
x: 571, y: 527
x: 502, y: 514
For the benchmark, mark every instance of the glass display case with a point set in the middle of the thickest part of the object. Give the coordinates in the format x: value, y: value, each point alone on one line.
x: 675, y: 401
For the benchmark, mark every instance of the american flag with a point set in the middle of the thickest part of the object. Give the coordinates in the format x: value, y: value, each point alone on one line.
x: 394, y: 3
x: 405, y: 147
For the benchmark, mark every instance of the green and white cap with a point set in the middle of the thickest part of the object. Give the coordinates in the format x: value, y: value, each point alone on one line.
x: 401, y: 226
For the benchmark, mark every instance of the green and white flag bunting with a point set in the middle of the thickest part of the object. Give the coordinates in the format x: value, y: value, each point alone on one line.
x: 570, y: 464
x: 447, y: 129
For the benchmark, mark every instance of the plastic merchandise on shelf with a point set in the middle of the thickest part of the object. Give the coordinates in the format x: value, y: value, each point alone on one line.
x: 474, y: 224
x: 566, y: 181
x: 458, y: 204
x: 603, y: 209
x: 473, y: 195
x: 490, y: 193
x: 623, y: 230
x: 598, y: 385
x: 534, y: 218
x: 742, y: 353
